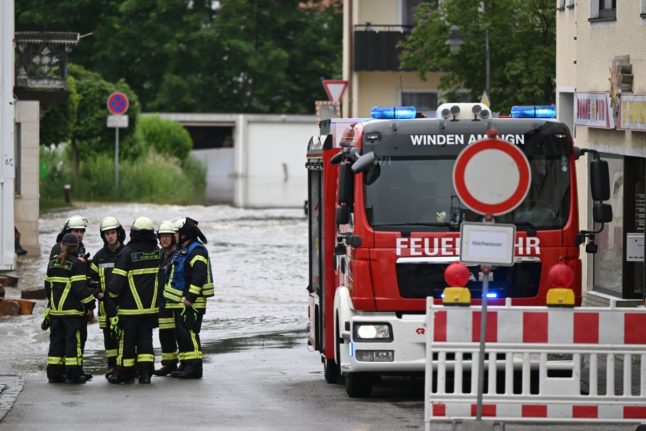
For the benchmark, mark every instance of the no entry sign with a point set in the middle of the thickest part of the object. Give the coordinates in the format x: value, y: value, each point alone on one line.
x: 491, y: 176
x: 118, y: 103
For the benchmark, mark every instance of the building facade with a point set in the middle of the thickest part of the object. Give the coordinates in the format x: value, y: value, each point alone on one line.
x: 371, y: 31
x: 601, y: 95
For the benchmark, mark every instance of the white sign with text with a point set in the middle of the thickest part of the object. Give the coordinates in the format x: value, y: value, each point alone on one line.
x: 487, y: 243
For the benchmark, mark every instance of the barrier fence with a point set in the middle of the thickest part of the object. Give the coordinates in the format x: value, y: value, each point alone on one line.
x: 541, y: 364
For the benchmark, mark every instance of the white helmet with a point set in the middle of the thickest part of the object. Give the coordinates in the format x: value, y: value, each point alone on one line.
x: 76, y: 222
x: 166, y: 227
x: 142, y: 223
x: 109, y: 223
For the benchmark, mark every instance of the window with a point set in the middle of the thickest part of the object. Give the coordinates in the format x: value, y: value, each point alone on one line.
x: 409, y: 6
x: 603, y: 10
x: 569, y: 4
x: 422, y: 101
x: 643, y: 9
x: 560, y: 5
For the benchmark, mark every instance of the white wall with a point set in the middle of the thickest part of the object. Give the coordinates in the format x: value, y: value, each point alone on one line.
x: 275, y: 163
x: 7, y: 171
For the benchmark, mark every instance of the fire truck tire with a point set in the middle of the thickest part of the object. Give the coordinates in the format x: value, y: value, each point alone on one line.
x: 358, y: 385
x: 331, y: 371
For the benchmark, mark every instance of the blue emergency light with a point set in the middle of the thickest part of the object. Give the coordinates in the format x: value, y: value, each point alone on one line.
x: 393, y: 112
x: 492, y: 295
x: 537, y: 111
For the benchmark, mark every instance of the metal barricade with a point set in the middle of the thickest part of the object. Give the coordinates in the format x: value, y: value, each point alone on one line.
x: 542, y: 364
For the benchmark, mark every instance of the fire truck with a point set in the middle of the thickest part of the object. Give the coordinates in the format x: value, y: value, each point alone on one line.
x: 384, y: 223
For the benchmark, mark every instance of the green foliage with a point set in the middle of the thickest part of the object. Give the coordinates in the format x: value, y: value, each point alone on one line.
x: 522, y: 48
x: 165, y: 136
x: 191, y: 56
x: 90, y: 131
x: 150, y: 178
x: 58, y: 123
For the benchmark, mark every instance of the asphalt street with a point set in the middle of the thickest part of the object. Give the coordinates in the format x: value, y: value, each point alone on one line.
x: 266, y: 383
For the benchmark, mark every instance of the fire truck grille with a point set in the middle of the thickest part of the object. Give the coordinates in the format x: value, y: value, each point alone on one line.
x: 419, y: 280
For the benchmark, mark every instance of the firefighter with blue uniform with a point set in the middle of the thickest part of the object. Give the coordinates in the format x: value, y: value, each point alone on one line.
x: 189, y: 285
x: 133, y: 289
x: 69, y: 300
x: 101, y: 266
x: 168, y: 242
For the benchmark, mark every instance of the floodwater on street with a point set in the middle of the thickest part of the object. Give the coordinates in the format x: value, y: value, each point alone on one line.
x: 259, y: 259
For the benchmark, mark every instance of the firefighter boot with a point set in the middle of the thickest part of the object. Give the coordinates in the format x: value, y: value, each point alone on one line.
x: 145, y: 372
x: 192, y: 370
x: 74, y: 375
x: 121, y: 377
x: 165, y: 370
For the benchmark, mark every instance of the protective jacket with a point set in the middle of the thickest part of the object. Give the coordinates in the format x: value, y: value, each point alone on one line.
x: 190, y: 277
x: 100, y: 274
x: 66, y: 287
x: 133, y: 286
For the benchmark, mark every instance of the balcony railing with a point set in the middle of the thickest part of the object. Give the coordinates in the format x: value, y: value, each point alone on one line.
x: 375, y: 46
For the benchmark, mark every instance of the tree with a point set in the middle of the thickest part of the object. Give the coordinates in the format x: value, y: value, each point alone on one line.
x: 202, y: 55
x: 522, y: 36
x: 167, y: 137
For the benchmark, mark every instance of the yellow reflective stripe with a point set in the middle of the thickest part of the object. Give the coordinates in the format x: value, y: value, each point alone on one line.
x: 199, y: 258
x: 173, y: 290
x: 174, y: 305
x: 143, y: 271
x: 169, y: 356
x: 128, y: 363
x: 58, y: 279
x: 187, y: 356
x: 77, y: 278
x: 208, y: 291
x: 156, y: 288
x: 79, y: 349
x: 102, y: 282
x: 196, y: 346
x: 111, y: 353
x: 135, y: 312
x: 120, y: 355
x: 172, y: 297
x: 145, y: 357
x: 167, y: 326
x: 166, y: 320
x: 93, y: 267
x: 119, y: 271
x: 133, y: 291
x: 195, y: 290
x: 55, y: 360
x: 66, y: 292
x: 71, y: 361
x: 67, y: 313
x: 87, y: 300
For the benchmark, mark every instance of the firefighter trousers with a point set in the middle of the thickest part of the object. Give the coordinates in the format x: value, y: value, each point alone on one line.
x: 167, y: 336
x: 188, y: 340
x: 136, y: 356
x: 65, y: 355
x: 111, y: 345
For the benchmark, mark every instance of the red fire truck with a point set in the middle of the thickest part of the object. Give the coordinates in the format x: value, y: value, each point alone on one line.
x: 384, y: 223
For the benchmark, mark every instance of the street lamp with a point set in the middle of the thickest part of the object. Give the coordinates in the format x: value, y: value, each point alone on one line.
x: 455, y: 43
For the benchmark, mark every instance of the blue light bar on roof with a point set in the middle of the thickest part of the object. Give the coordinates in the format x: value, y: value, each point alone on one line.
x: 492, y: 295
x: 538, y: 111
x: 393, y: 112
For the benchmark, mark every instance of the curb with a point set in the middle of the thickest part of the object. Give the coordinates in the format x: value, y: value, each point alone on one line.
x: 10, y: 387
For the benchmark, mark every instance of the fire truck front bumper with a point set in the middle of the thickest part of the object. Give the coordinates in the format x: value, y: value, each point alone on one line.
x: 383, y: 343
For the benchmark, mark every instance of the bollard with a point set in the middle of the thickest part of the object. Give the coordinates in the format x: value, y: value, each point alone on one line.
x: 67, y: 193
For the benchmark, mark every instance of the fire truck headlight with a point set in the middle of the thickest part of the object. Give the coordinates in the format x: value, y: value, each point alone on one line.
x: 372, y: 332
x: 375, y: 355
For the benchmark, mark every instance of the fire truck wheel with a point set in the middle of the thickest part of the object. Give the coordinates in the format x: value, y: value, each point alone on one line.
x: 330, y: 371
x: 358, y: 385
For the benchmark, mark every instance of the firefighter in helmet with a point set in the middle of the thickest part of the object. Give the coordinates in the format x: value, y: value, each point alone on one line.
x: 113, y: 236
x: 76, y: 225
x: 167, y: 241
x: 69, y: 300
x: 133, y: 289
x: 189, y: 284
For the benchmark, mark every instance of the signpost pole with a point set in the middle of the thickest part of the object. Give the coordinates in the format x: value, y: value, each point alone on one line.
x: 116, y: 158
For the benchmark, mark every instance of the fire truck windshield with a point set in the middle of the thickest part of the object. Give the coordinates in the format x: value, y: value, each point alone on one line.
x: 418, y: 193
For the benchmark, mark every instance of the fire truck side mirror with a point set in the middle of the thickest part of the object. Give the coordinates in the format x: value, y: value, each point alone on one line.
x: 599, y: 180
x: 601, y: 213
x: 342, y: 215
x: 346, y: 184
x: 364, y: 162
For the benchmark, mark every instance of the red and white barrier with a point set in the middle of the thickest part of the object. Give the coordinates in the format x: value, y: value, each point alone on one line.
x: 542, y: 364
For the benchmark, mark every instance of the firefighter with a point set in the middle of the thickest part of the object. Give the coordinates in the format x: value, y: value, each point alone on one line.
x: 113, y: 236
x: 69, y: 300
x: 166, y: 236
x: 76, y: 225
x: 190, y: 283
x: 133, y: 289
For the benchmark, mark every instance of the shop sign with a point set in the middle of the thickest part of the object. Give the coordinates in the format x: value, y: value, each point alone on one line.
x: 632, y: 112
x: 593, y: 110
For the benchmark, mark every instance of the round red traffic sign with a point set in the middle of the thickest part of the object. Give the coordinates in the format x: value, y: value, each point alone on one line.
x: 491, y: 176
x: 118, y: 103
